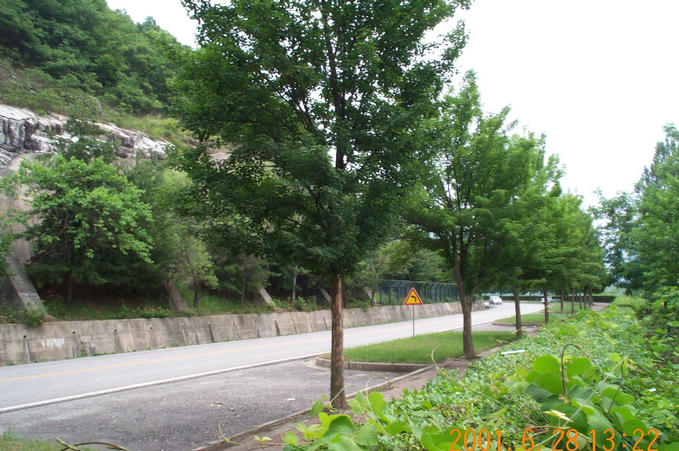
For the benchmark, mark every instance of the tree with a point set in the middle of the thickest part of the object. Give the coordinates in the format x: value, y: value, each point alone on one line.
x: 528, y: 255
x: 639, y: 227
x: 185, y: 254
x: 85, y: 220
x: 321, y: 102
x: 617, y: 216
x: 469, y: 188
x: 654, y: 239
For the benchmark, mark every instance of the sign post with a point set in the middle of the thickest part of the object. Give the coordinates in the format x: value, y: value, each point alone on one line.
x: 413, y: 299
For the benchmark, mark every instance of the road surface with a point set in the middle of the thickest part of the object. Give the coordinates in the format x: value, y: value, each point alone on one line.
x: 174, y: 398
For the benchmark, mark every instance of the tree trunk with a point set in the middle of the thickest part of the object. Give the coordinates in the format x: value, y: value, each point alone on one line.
x: 572, y: 302
x: 68, y: 288
x: 466, y: 304
x: 591, y: 298
x: 243, y: 283
x: 544, y: 300
x: 563, y: 293
x: 294, y: 284
x: 467, y: 341
x: 517, y: 313
x: 196, y: 295
x: 337, y: 394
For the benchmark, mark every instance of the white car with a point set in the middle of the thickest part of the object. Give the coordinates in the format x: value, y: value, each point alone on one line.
x: 495, y: 300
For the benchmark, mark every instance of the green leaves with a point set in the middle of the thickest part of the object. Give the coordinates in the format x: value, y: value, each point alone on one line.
x: 599, y: 398
x: 546, y: 364
x: 577, y: 365
x: 91, y: 218
x: 640, y: 228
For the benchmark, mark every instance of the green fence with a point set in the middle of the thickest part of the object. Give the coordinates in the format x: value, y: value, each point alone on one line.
x: 394, y: 292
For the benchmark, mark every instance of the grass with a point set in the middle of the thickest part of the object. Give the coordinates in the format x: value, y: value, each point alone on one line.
x: 419, y: 349
x: 539, y: 317
x: 116, y: 308
x: 629, y: 302
x: 105, y: 309
x: 11, y: 442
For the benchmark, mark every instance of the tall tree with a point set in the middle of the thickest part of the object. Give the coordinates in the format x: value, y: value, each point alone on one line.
x: 528, y: 254
x: 321, y: 102
x: 463, y: 210
x: 654, y: 239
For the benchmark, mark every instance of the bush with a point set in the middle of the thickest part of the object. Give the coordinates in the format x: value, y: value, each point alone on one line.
x: 300, y: 304
x: 34, y: 317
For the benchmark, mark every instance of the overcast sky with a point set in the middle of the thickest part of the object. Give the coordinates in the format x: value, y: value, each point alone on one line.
x: 598, y: 77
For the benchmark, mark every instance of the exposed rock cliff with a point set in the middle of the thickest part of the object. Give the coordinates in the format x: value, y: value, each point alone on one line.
x: 22, y: 131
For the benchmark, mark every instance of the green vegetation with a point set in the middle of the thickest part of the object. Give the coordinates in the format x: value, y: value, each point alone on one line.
x: 11, y: 442
x: 425, y: 348
x: 600, y: 387
x: 329, y: 157
x: 101, y: 309
x: 92, y: 221
x: 492, y: 207
x: 82, y: 47
x: 346, y: 164
x: 33, y: 317
x: 6, y: 238
x: 32, y: 88
x: 639, y: 230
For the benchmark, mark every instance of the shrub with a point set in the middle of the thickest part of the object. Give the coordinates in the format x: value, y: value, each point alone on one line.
x: 34, y: 317
x: 300, y: 304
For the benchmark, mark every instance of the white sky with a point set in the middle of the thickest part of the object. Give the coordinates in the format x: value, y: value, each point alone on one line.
x: 599, y: 77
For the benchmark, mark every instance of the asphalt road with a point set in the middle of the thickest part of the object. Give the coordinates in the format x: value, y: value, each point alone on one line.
x: 173, y: 399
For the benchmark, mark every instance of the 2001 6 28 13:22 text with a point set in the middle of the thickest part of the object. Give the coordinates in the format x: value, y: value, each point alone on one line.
x: 561, y: 439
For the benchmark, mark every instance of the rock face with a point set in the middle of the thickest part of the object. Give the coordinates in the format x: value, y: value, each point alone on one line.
x: 22, y: 131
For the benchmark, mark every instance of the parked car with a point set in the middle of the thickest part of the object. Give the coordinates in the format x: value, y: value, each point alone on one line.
x: 495, y: 300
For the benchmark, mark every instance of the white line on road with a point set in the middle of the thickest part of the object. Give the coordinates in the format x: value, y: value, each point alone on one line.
x: 149, y: 384
x: 195, y: 375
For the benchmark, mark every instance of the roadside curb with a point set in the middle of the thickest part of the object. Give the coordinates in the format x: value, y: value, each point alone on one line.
x: 374, y: 366
x: 522, y: 324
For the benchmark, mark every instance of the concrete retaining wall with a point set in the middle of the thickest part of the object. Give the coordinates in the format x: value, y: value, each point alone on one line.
x: 67, y: 339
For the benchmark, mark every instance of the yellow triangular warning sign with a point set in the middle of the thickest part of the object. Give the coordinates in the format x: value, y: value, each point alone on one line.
x: 413, y: 298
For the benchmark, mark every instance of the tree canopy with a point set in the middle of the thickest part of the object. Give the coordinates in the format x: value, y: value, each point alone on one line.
x: 85, y: 218
x: 486, y: 203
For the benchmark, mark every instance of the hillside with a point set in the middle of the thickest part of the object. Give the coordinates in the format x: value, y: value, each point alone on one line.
x: 83, y: 60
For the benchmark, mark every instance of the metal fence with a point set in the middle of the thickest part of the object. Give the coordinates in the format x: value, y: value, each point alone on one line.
x: 394, y: 292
